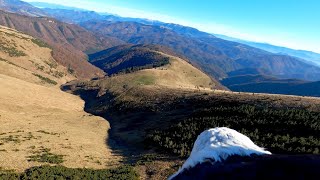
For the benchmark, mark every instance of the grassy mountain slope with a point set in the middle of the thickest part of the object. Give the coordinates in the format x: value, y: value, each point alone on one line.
x: 153, y: 65
x: 136, y: 103
x: 171, y: 118
x: 158, y: 109
x: 40, y: 124
x: 29, y: 59
x: 161, y: 120
x: 68, y: 41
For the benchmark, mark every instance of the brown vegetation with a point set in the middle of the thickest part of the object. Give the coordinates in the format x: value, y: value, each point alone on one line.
x: 69, y: 42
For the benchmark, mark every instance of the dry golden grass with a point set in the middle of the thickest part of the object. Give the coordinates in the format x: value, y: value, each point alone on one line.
x: 178, y: 74
x: 35, y: 59
x: 34, y: 117
x: 37, y: 115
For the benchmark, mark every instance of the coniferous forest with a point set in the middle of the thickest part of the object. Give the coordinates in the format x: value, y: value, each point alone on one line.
x: 279, y: 131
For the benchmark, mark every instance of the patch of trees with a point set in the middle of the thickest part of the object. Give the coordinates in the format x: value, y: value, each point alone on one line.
x: 291, y: 131
x: 155, y: 64
x: 45, y: 79
x: 60, y: 172
x: 128, y: 60
x: 132, y: 62
x: 40, y: 43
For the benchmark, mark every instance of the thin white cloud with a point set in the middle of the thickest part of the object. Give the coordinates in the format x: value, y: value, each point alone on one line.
x: 211, y: 27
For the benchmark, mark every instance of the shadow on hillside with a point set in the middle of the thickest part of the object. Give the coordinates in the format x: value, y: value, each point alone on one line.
x: 92, y: 106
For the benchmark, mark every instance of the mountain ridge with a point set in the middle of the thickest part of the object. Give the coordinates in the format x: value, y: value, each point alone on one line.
x: 193, y: 32
x: 309, y: 56
x: 152, y: 65
x: 268, y: 84
x: 21, y: 7
x: 69, y: 42
x: 134, y: 56
x: 213, y: 55
x: 217, y: 56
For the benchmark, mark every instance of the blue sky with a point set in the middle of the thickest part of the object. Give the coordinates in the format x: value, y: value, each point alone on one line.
x: 290, y: 23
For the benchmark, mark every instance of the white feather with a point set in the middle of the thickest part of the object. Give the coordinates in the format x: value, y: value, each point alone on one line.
x: 218, y: 144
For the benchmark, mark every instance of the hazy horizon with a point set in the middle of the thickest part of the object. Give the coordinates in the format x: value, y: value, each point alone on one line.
x: 287, y: 23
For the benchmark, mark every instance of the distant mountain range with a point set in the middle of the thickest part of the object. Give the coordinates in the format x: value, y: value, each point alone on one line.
x: 268, y: 84
x: 17, y: 6
x: 213, y: 55
x: 52, y: 9
x: 73, y: 16
x: 309, y: 56
x: 52, y: 6
x: 260, y: 81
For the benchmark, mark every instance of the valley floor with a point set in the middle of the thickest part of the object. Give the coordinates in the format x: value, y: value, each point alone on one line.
x: 45, y: 124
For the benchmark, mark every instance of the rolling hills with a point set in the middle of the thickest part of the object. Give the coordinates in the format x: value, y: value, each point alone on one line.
x: 160, y: 111
x: 136, y: 107
x: 150, y: 65
x: 137, y: 101
x: 177, y: 75
x: 131, y: 58
x: 155, y: 83
x: 215, y: 56
x: 211, y: 59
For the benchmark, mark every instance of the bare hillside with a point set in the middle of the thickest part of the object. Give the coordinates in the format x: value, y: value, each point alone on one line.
x: 40, y: 124
x: 37, y: 120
